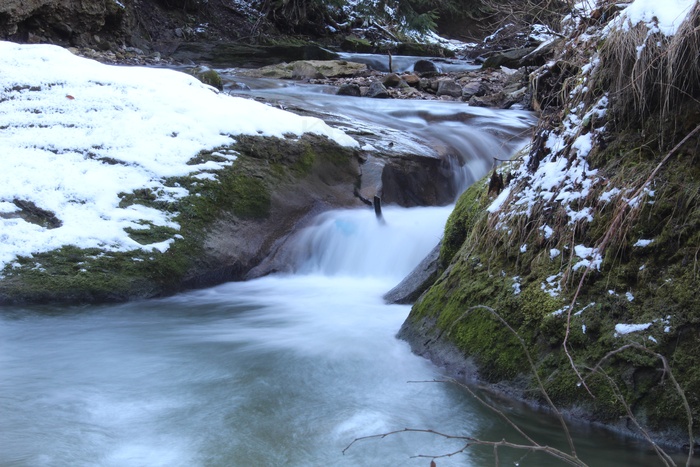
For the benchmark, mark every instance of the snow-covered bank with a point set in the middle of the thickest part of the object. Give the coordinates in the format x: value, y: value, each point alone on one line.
x: 76, y: 133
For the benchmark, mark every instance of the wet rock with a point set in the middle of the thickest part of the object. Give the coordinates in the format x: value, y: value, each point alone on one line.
x: 391, y: 80
x: 418, y: 280
x: 349, y: 89
x: 473, y: 88
x: 448, y: 87
x: 207, y: 76
x: 377, y: 90
x: 308, y: 69
x: 510, y: 59
x: 491, y: 100
x: 425, y: 67
x: 412, y: 80
x: 305, y: 70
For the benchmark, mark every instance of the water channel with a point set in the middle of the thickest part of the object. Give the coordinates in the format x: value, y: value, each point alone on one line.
x: 285, y: 370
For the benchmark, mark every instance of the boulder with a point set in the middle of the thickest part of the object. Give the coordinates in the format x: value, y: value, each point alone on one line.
x: 308, y: 69
x: 391, y: 80
x: 377, y: 90
x: 305, y: 70
x: 349, y: 89
x: 207, y: 76
x: 425, y: 67
x: 411, y: 79
x: 417, y: 281
x: 448, y: 87
x: 509, y: 59
x: 472, y: 88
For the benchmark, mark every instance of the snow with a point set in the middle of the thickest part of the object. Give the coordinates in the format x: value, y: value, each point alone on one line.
x: 552, y: 286
x: 516, y: 285
x: 622, y: 329
x: 76, y: 133
x: 497, y: 203
x: 642, y: 243
x: 590, y: 257
x: 664, y: 16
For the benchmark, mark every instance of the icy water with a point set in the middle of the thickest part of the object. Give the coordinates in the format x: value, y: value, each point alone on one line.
x: 279, y: 371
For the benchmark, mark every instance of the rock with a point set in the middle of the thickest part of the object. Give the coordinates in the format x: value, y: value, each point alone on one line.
x: 308, y: 69
x: 232, y: 54
x: 391, y: 80
x: 207, y: 76
x: 412, y: 80
x: 510, y: 59
x: 64, y: 22
x: 425, y: 67
x: 491, y: 100
x: 305, y: 70
x: 448, y: 87
x: 538, y: 56
x: 349, y: 89
x: 356, y: 44
x: 473, y: 88
x: 418, y: 181
x: 417, y: 281
x: 377, y: 90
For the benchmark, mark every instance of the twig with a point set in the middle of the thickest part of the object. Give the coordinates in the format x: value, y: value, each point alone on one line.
x: 470, y: 441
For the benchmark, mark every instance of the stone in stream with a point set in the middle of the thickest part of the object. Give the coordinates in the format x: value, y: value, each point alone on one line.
x: 377, y: 90
x: 391, y: 80
x: 425, y: 67
x: 349, y: 89
x: 448, y: 87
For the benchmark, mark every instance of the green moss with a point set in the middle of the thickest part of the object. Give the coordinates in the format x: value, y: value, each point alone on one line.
x: 72, y: 274
x: 208, y: 76
x: 469, y: 208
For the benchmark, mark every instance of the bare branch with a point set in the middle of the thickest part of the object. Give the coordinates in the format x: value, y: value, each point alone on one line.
x: 567, y: 458
x: 533, y: 368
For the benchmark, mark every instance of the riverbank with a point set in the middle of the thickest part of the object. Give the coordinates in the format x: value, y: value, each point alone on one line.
x: 577, y: 254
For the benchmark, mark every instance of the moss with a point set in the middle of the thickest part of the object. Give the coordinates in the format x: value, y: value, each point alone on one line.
x: 208, y: 76
x: 151, y: 233
x: 73, y: 274
x: 462, y: 220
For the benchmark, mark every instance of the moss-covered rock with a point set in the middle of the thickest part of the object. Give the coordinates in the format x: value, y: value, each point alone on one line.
x: 227, y: 222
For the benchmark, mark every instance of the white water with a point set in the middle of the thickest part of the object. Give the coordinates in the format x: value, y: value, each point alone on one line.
x: 280, y: 371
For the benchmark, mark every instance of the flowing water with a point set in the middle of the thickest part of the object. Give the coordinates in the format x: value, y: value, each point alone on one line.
x: 279, y: 371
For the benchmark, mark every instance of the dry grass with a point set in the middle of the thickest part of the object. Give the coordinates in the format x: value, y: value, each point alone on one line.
x: 649, y: 73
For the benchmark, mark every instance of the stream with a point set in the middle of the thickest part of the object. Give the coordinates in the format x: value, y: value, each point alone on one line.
x: 286, y: 370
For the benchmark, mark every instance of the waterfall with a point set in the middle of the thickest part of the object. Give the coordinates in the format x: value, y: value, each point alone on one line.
x: 355, y: 243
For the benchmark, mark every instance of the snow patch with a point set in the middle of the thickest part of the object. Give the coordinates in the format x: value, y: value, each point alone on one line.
x: 622, y: 329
